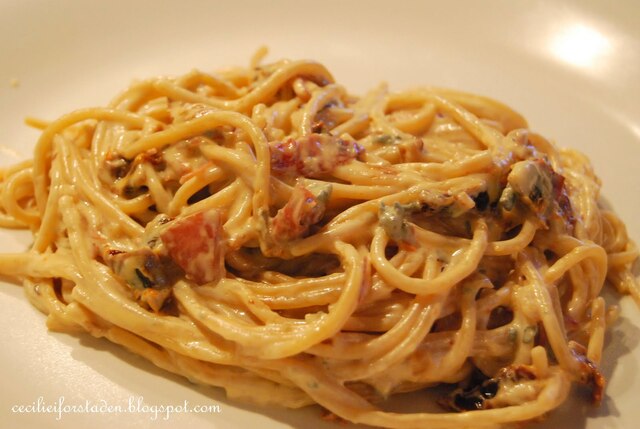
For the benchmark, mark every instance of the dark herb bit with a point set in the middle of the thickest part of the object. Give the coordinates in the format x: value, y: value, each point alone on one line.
x: 468, y: 402
x: 489, y: 389
x: 482, y: 200
x: 146, y: 282
x: 536, y: 194
x: 119, y: 167
x: 473, y: 396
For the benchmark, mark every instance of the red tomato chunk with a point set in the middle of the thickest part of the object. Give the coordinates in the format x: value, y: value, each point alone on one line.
x: 195, y: 244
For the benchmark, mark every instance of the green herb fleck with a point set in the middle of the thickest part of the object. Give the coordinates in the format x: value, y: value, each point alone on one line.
x: 386, y: 139
x: 392, y: 219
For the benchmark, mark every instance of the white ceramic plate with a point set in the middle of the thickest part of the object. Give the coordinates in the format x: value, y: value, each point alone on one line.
x: 571, y: 68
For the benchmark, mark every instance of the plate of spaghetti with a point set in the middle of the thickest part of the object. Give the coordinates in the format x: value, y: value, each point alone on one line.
x: 199, y: 232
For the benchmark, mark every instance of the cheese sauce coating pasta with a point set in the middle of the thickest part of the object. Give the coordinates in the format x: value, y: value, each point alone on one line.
x: 263, y: 230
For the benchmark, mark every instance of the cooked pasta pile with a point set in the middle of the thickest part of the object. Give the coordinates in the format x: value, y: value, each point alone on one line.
x: 263, y: 230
